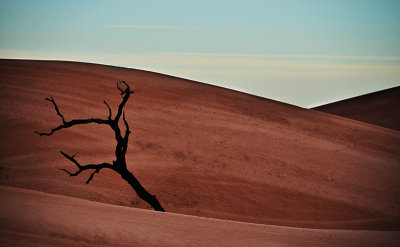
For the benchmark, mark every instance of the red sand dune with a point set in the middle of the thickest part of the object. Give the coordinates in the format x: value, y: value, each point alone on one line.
x: 203, y: 150
x: 97, y: 224
x: 380, y: 108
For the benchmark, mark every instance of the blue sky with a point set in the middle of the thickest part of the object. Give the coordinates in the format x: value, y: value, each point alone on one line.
x: 300, y: 52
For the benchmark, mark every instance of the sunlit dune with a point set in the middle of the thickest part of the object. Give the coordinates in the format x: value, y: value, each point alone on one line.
x: 203, y: 151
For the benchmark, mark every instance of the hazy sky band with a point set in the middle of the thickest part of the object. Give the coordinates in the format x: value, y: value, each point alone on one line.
x: 301, y: 52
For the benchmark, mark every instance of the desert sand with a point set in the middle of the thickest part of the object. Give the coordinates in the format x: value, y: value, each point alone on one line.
x: 380, y: 108
x: 97, y: 224
x: 203, y: 150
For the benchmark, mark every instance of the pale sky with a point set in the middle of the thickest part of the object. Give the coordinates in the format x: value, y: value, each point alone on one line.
x: 304, y: 53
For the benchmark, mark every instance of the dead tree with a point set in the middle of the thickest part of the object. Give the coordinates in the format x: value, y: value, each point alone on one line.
x: 119, y: 164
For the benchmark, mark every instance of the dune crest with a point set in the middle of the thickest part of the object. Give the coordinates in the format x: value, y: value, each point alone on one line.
x: 379, y: 108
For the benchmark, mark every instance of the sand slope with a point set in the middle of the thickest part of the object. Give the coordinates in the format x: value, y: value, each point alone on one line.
x: 202, y: 150
x: 30, y: 218
x: 380, y: 108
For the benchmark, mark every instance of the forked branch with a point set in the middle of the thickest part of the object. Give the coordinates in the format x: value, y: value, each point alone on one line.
x: 56, y: 108
x: 95, y: 167
x: 68, y: 124
x: 127, y: 88
x: 126, y: 93
x: 72, y: 123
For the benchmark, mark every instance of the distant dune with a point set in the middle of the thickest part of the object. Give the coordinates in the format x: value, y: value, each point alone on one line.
x: 203, y: 150
x: 380, y: 108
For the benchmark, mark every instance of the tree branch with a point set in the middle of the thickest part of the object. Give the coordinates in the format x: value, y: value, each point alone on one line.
x: 127, y: 131
x: 127, y: 87
x: 56, y: 108
x: 126, y: 94
x: 72, y: 123
x: 109, y: 110
x: 120, y: 89
x: 92, y: 175
x: 81, y: 168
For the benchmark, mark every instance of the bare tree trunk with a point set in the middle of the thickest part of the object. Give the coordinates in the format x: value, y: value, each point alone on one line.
x: 141, y: 191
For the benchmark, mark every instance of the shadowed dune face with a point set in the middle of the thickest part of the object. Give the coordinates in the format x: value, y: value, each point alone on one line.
x: 201, y: 149
x: 379, y: 108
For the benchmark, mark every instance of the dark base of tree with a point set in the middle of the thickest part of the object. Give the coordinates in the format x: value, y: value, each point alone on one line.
x: 141, y: 191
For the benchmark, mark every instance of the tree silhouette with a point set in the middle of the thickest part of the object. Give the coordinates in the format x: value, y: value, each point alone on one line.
x: 118, y: 165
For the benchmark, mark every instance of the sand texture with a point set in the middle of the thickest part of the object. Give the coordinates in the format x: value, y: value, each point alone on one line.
x: 67, y: 221
x: 203, y: 150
